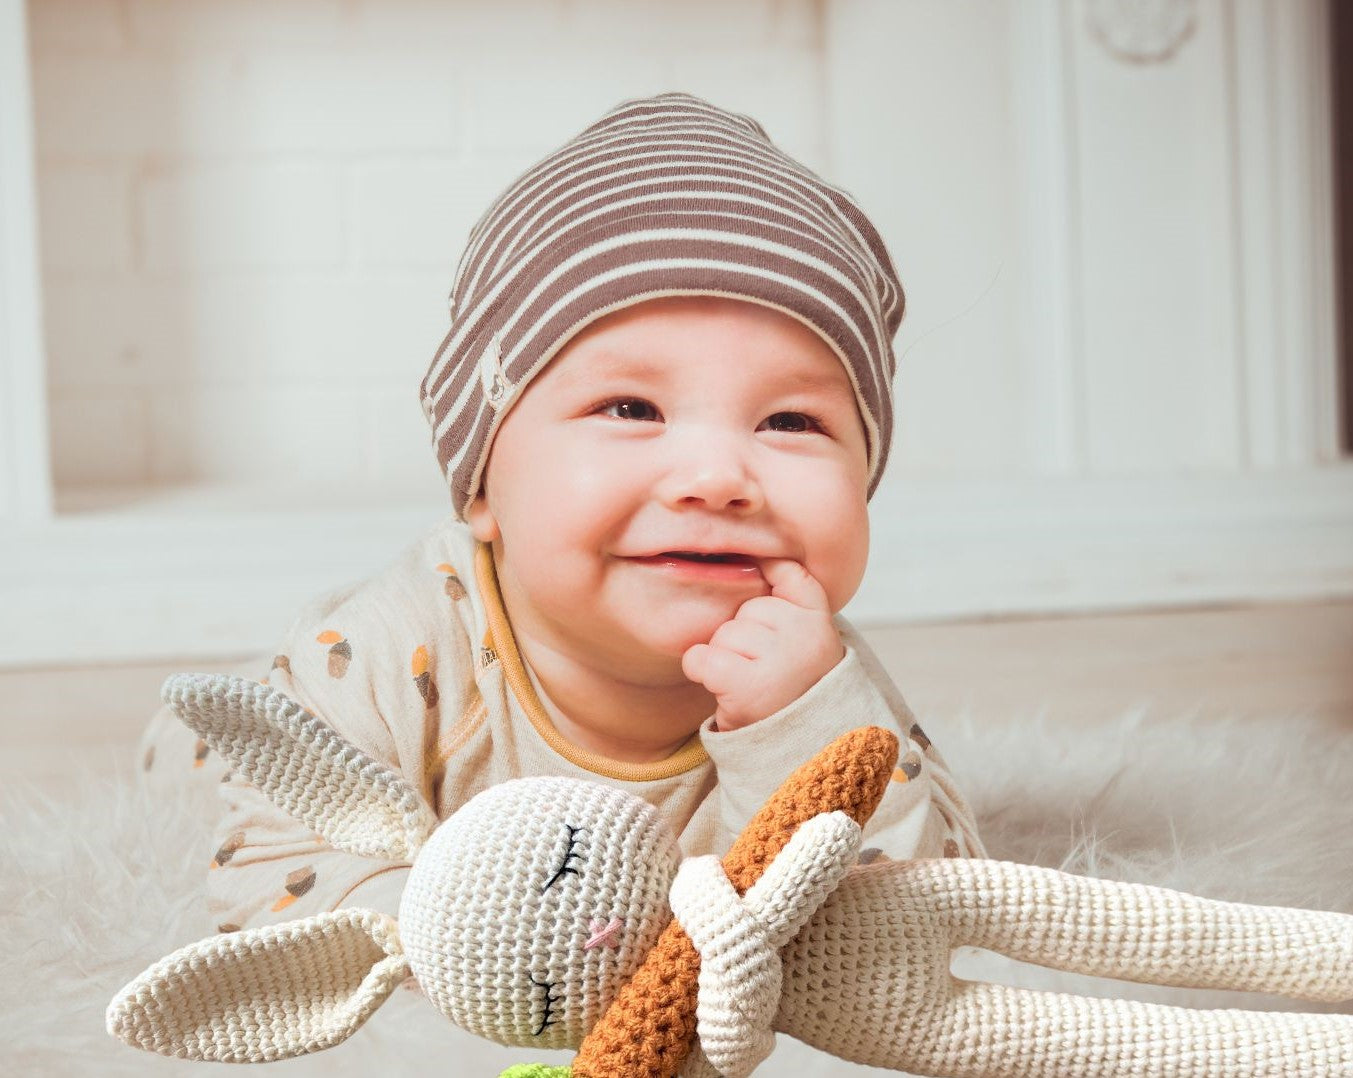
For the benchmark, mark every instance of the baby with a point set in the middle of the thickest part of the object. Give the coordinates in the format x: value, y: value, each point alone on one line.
x: 662, y: 406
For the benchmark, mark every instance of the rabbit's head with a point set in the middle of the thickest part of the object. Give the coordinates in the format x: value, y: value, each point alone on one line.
x: 528, y: 909
x: 523, y: 914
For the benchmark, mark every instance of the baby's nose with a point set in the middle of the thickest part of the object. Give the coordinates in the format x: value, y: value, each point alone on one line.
x: 715, y: 477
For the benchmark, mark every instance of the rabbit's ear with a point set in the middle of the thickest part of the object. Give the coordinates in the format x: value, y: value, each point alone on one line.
x: 264, y: 993
x: 303, y: 766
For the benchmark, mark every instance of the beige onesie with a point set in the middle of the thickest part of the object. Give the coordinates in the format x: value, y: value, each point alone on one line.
x: 418, y: 668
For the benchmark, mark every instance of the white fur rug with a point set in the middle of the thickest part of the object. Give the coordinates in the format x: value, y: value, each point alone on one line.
x: 98, y: 886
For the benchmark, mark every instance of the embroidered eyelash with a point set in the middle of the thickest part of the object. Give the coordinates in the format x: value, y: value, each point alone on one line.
x: 569, y: 854
x: 546, y: 1020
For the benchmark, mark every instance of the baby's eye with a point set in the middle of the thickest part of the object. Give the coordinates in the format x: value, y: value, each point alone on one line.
x: 628, y: 408
x: 793, y: 423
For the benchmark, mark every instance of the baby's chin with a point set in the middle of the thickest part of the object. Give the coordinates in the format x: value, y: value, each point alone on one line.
x: 677, y: 630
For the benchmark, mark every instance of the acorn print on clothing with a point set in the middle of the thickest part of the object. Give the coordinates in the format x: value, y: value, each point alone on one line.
x: 298, y: 883
x: 452, y: 585
x: 487, y: 656
x: 340, y: 652
x: 951, y: 848
x: 280, y: 662
x: 909, y: 768
x: 200, y: 752
x: 228, y: 849
x: 427, y: 688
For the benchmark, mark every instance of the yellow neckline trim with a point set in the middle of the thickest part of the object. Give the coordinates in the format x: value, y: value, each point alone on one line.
x: 691, y: 754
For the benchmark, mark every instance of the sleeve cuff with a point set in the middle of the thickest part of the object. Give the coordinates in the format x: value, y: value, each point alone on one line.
x: 753, y: 761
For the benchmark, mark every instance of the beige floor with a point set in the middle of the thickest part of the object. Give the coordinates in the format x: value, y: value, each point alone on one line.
x: 1275, y: 660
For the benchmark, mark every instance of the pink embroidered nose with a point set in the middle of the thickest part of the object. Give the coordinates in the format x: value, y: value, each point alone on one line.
x: 604, y: 934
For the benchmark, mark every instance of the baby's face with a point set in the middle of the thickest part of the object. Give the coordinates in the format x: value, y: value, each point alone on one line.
x: 678, y: 424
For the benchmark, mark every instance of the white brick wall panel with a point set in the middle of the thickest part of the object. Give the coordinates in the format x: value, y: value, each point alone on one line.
x: 691, y: 24
x: 261, y: 434
x: 338, y: 102
x: 215, y: 25
x: 139, y: 104
x: 76, y: 25
x: 411, y: 214
x: 229, y: 216
x: 520, y: 99
x: 781, y: 88
x: 456, y: 28
x: 380, y: 331
x: 301, y: 330
x: 99, y: 106
x: 401, y: 451
x: 96, y: 330
x: 796, y: 24
x: 244, y: 330
x: 84, y: 218
x: 99, y: 438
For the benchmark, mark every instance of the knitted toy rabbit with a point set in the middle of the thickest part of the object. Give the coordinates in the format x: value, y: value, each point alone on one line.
x: 556, y: 913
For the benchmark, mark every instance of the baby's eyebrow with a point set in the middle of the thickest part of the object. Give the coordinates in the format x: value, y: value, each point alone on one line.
x: 611, y: 366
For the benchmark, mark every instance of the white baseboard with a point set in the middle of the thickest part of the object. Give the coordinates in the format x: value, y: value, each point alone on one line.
x: 1077, y: 545
x: 206, y: 573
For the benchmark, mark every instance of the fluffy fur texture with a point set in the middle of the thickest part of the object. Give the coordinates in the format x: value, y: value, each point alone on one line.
x: 98, y: 884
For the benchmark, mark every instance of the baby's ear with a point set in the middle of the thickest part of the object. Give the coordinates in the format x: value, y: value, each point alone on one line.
x: 303, y: 766
x: 264, y: 993
x: 480, y: 518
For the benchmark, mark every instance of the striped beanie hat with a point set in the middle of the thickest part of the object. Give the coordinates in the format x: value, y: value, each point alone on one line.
x: 663, y: 196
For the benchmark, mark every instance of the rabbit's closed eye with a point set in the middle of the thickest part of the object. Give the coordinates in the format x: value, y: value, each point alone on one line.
x: 571, y: 854
x: 547, y: 1018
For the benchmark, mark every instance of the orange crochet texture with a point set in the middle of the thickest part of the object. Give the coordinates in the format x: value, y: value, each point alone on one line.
x: 649, y: 1030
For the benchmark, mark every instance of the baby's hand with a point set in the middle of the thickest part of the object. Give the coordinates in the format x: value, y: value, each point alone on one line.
x: 776, y: 648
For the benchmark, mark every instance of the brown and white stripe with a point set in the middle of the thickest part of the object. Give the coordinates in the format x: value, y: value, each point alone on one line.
x: 662, y: 196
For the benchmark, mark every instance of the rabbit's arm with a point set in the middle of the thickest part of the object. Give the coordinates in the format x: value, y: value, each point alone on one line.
x: 992, y: 1031
x: 803, y: 874
x: 1136, y: 932
x: 844, y: 988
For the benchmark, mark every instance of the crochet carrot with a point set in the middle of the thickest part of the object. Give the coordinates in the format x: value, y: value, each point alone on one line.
x: 649, y: 1030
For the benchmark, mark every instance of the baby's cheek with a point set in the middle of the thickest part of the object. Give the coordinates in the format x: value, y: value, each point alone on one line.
x: 840, y: 567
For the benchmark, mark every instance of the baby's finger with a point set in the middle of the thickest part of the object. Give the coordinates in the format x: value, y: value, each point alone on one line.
x: 717, y: 669
x: 789, y: 580
x: 750, y: 639
x: 766, y: 610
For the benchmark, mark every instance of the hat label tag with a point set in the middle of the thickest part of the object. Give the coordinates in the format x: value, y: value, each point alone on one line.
x: 496, y: 386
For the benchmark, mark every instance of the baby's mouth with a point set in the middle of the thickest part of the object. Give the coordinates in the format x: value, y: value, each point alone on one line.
x: 694, y: 566
x: 719, y: 559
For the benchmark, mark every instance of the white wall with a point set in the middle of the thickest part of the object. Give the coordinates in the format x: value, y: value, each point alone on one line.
x: 251, y: 212
x: 1116, y: 375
